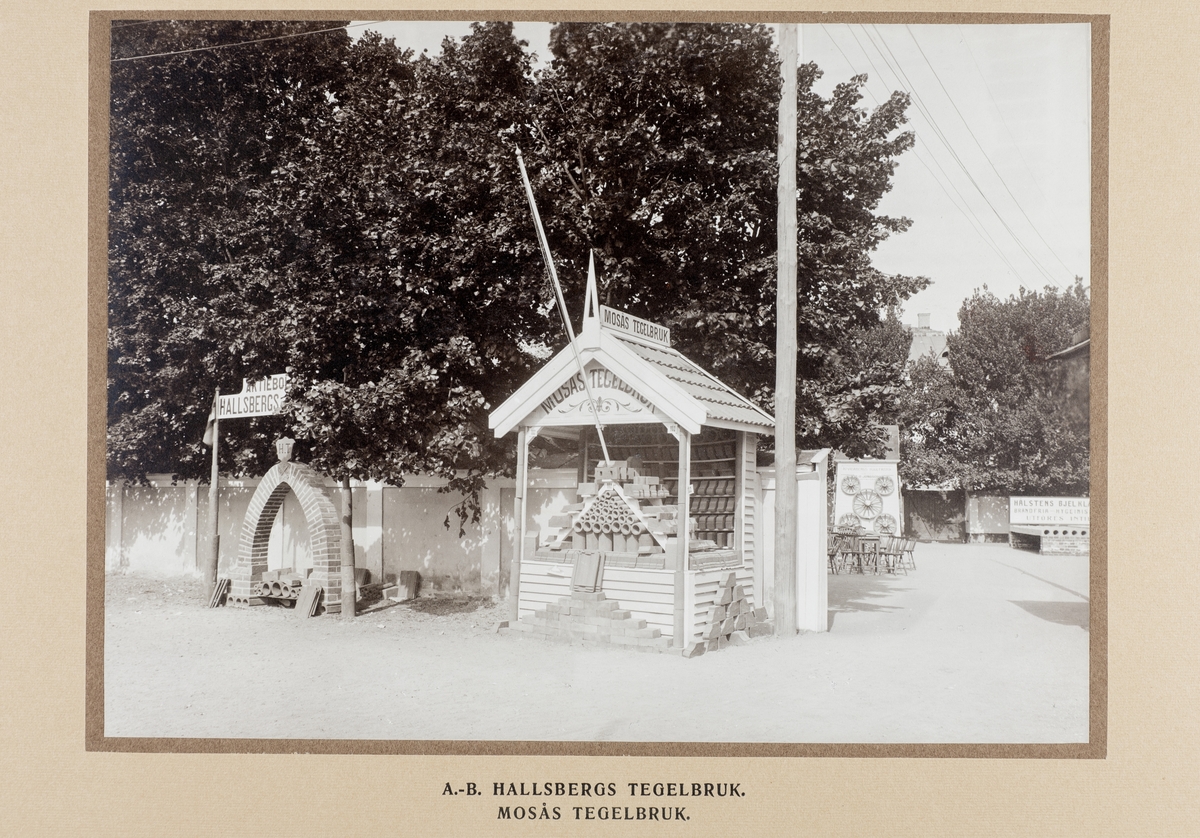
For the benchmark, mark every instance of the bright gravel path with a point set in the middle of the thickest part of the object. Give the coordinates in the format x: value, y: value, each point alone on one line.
x: 981, y: 644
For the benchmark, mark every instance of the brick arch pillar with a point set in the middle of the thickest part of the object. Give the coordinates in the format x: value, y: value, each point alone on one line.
x: 324, y: 529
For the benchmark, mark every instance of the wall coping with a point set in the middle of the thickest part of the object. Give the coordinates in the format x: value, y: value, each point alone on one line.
x: 550, y: 478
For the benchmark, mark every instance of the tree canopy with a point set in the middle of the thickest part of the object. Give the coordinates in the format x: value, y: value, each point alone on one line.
x: 657, y: 145
x: 352, y: 214
x: 1004, y: 416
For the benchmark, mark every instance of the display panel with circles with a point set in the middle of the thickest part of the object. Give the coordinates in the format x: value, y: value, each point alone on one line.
x: 867, y: 497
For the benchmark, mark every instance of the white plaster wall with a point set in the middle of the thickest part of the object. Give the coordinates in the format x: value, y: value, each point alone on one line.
x: 163, y: 530
x: 812, y: 583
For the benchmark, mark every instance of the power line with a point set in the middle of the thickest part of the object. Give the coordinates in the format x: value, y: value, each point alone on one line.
x: 941, y: 135
x: 999, y: 111
x: 246, y: 43
x: 965, y: 209
x: 898, y: 71
x: 937, y: 132
x: 981, y: 228
x: 1003, y: 182
x: 140, y: 23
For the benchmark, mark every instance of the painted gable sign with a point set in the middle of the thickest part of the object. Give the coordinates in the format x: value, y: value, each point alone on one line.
x: 617, y: 402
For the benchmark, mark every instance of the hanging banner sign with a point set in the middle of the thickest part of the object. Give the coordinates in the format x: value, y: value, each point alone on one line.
x: 1034, y: 510
x: 263, y: 397
x: 619, y: 321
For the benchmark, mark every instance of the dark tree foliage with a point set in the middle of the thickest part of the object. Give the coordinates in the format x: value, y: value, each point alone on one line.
x: 1003, y: 418
x: 657, y: 148
x: 194, y: 142
x: 862, y: 383
x: 403, y: 322
x: 353, y: 215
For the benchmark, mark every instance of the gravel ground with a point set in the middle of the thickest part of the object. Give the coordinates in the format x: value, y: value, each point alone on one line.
x: 980, y: 644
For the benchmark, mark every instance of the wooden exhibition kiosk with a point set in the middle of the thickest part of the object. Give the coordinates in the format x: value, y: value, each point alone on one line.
x: 677, y: 439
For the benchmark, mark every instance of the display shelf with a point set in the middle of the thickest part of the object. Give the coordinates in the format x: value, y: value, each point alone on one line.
x: 713, y: 506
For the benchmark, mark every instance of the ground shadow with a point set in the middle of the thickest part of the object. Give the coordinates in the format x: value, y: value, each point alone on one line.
x: 1040, y: 579
x: 849, y: 592
x: 1063, y: 613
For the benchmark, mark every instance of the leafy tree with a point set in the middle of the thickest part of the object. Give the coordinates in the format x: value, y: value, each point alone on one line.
x: 656, y: 145
x: 353, y: 215
x: 861, y: 384
x: 194, y: 139
x: 369, y: 250
x: 928, y: 437
x: 406, y: 319
x: 1001, y: 419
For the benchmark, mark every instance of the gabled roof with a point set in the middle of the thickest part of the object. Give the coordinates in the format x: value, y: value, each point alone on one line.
x: 682, y: 391
x: 722, y: 403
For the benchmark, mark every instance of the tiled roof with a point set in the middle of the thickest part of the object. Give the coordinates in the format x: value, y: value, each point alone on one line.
x: 721, y: 402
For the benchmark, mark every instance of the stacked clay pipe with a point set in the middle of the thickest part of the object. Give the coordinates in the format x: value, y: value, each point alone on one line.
x: 288, y: 589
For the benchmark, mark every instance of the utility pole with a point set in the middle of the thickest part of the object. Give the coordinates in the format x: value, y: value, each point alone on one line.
x: 785, y: 594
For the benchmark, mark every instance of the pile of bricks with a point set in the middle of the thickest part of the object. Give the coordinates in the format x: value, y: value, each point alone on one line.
x: 594, y: 620
x: 731, y: 621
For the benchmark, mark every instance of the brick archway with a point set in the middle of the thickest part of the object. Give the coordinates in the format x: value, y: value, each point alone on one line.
x: 324, y: 529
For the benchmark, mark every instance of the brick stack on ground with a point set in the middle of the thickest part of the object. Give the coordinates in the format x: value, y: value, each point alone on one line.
x: 595, y: 620
x: 731, y: 620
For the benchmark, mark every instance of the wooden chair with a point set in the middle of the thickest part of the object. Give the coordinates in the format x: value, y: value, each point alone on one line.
x: 841, y: 549
x: 834, y: 550
x: 906, y: 554
x: 867, y: 554
x: 891, y: 554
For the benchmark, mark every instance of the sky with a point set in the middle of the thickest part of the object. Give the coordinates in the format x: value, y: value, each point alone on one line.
x: 998, y: 184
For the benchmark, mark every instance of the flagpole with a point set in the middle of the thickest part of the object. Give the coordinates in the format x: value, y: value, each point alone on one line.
x: 210, y: 568
x: 562, y: 304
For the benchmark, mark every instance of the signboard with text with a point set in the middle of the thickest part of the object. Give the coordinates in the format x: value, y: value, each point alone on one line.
x: 263, y: 397
x: 619, y: 321
x: 616, y: 402
x: 1034, y: 510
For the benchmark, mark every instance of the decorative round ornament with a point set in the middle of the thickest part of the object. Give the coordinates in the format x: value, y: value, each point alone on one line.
x: 885, y: 524
x: 885, y: 485
x: 867, y: 504
x: 850, y: 485
x: 849, y: 520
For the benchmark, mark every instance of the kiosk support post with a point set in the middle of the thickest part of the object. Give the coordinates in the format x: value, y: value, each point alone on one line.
x: 684, y: 515
x: 514, y: 573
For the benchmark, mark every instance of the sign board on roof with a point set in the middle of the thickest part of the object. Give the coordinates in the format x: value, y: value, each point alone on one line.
x: 619, y: 321
x: 1032, y: 510
x: 263, y: 397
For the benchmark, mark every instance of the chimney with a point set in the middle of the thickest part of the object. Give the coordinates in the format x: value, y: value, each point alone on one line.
x: 922, y: 321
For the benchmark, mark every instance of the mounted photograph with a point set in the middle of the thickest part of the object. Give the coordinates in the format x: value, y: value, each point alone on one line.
x: 485, y: 386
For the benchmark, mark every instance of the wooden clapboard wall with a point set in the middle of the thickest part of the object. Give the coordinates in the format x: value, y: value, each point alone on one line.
x: 543, y: 583
x: 703, y: 593
x: 648, y: 594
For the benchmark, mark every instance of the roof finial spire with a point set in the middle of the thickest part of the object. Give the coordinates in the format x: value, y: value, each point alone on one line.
x: 591, y: 304
x: 590, y: 332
